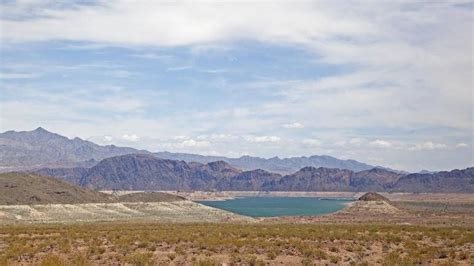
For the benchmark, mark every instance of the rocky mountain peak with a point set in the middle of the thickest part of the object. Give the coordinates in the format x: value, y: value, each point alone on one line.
x: 372, y: 196
x: 219, y: 165
x: 41, y: 130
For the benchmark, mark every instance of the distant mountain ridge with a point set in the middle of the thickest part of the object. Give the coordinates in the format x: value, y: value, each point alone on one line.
x: 275, y: 164
x: 40, y: 148
x: 146, y: 172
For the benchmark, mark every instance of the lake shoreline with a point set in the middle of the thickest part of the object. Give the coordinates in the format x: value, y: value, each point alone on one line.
x: 259, y: 206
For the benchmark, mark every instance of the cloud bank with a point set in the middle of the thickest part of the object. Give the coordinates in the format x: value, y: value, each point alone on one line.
x: 388, y: 83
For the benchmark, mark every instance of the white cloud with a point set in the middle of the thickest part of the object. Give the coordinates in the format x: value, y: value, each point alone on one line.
x: 119, y: 73
x: 194, y: 143
x: 272, y: 139
x: 311, y: 142
x: 178, y: 68
x: 223, y: 137
x: 381, y: 143
x: 461, y: 145
x: 400, y: 53
x: 4, y: 75
x: 132, y: 137
x: 428, y: 146
x: 293, y: 125
x: 357, y: 141
x: 152, y: 56
x: 183, y: 23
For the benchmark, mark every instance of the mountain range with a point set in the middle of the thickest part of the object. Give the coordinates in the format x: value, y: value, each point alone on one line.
x: 40, y: 148
x: 147, y: 172
x: 94, y: 166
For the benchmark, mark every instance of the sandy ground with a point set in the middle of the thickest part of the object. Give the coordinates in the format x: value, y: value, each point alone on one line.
x: 178, y: 211
x: 405, y: 208
x: 429, y: 229
x: 223, y: 195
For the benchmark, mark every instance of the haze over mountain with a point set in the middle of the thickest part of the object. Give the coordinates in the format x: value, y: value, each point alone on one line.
x: 275, y: 164
x: 41, y: 148
x: 146, y: 172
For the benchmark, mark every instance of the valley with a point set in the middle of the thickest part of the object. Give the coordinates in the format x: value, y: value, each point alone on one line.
x: 236, y: 133
x: 140, y: 209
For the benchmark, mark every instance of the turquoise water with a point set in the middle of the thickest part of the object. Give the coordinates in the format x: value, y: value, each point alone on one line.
x: 279, y: 206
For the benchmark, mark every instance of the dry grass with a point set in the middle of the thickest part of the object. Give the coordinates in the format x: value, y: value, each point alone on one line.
x: 209, y: 244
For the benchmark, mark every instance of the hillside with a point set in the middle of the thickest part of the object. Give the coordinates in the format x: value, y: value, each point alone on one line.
x: 21, y: 188
x: 453, y: 181
x: 31, y: 189
x: 149, y: 197
x: 247, y: 181
x: 146, y: 172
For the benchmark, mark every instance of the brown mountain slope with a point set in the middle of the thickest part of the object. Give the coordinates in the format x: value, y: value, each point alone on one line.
x: 147, y: 172
x: 23, y: 188
x: 372, y: 196
x: 149, y: 197
x: 455, y: 181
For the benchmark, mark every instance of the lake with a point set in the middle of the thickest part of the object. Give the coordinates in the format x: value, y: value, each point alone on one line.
x: 279, y: 206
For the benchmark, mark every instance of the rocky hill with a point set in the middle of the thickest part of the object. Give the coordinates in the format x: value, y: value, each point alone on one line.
x: 372, y: 196
x: 32, y: 189
x: 376, y: 179
x: 22, y: 188
x: 146, y: 172
x: 247, y: 181
x: 313, y: 179
x: 452, y: 181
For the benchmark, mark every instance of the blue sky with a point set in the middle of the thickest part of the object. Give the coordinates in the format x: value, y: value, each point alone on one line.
x: 386, y: 83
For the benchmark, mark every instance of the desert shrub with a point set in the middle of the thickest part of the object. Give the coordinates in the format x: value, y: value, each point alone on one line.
x: 142, y: 245
x: 306, y: 262
x: 334, y: 259
x: 271, y: 255
x: 140, y: 259
x: 53, y: 260
x: 463, y: 255
x: 171, y: 256
x: 3, y: 261
x: 205, y: 262
x: 80, y: 260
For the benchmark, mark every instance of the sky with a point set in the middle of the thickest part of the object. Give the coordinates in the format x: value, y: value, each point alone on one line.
x: 388, y: 83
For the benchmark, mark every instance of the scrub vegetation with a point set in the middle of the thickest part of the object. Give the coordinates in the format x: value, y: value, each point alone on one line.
x: 247, y: 244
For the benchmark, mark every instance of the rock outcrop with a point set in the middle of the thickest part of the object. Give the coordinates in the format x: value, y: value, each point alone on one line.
x: 372, y: 196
